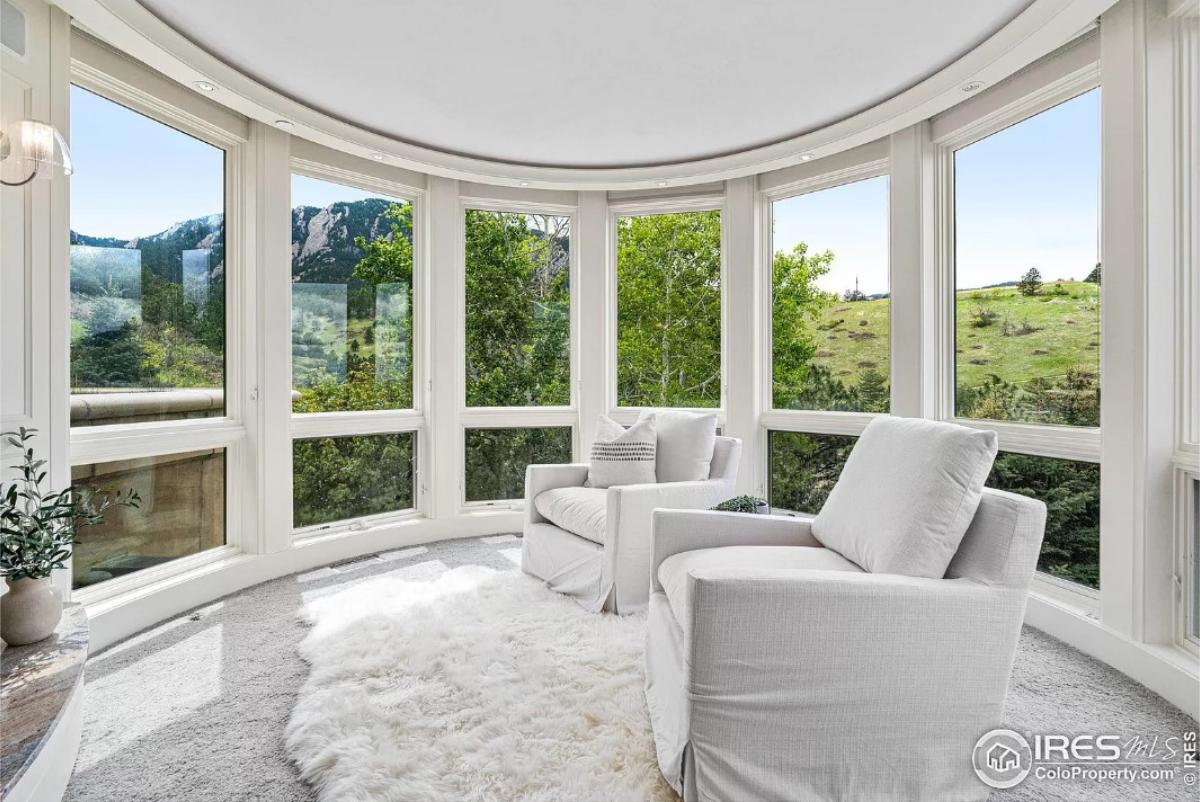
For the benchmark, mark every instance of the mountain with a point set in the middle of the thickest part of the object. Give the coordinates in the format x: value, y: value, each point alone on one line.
x: 323, y: 248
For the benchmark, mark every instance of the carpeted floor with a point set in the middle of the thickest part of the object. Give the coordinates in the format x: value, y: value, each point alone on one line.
x: 195, y: 708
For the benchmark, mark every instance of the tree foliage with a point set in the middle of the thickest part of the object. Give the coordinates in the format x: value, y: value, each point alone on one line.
x: 1031, y: 282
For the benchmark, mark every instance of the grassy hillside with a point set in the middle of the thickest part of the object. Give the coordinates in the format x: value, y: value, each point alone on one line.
x: 1000, y: 331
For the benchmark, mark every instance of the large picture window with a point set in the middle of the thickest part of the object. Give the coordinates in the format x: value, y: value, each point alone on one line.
x: 1028, y: 271
x: 669, y: 310
x: 148, y: 268
x: 830, y: 324
x: 518, y: 309
x: 352, y: 307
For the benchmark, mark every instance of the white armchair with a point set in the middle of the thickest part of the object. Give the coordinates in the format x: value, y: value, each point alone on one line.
x: 779, y: 669
x: 605, y: 561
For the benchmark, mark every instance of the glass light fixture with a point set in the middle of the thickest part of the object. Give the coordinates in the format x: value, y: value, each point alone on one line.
x: 38, y: 148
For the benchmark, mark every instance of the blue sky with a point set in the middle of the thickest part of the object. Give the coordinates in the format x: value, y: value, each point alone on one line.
x: 1025, y: 197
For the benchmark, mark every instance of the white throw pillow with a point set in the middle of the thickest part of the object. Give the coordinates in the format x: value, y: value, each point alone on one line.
x: 906, y: 496
x: 623, y: 456
x: 685, y: 444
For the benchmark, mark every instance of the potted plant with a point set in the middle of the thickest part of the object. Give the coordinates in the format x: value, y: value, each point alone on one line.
x: 37, y: 531
x: 750, y: 504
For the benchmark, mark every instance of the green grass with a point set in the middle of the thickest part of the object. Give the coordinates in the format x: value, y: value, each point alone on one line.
x: 1046, y: 334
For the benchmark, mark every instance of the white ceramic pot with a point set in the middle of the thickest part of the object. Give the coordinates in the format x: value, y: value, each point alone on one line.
x: 32, y: 608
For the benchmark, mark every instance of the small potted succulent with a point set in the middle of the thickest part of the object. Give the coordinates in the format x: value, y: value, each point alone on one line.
x: 37, y: 531
x: 751, y: 504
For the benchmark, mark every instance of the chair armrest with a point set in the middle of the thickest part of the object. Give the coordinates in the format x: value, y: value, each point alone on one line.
x: 676, y: 531
x: 820, y: 623
x: 540, y: 478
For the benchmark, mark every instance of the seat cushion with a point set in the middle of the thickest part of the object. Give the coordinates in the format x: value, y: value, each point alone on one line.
x: 581, y: 511
x: 906, y: 495
x: 673, y: 572
x: 685, y: 443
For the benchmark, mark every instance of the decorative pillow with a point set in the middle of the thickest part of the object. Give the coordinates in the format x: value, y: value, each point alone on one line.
x: 685, y: 444
x: 906, y: 496
x: 623, y: 456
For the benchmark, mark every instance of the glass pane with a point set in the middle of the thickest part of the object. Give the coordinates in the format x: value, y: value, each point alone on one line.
x: 182, y: 512
x: 669, y: 310
x: 352, y: 263
x: 804, y: 468
x: 147, y: 260
x: 1194, y: 628
x: 518, y: 309
x: 496, y: 459
x: 1071, y: 491
x: 830, y: 322
x: 335, y: 478
x: 1027, y: 269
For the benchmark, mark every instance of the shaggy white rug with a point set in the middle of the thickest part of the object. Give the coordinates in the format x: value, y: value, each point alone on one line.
x: 478, y: 685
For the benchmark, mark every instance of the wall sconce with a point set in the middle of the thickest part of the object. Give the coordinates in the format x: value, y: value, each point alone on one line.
x: 37, y: 146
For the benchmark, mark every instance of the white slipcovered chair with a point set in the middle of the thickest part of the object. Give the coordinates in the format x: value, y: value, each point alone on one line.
x: 777, y: 668
x: 599, y: 549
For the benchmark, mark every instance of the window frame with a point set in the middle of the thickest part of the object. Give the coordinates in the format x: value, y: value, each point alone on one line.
x: 709, y: 202
x: 355, y: 423
x: 112, y: 77
x: 1072, y: 73
x: 526, y: 417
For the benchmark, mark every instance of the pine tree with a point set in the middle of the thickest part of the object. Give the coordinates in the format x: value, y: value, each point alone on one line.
x: 1031, y: 282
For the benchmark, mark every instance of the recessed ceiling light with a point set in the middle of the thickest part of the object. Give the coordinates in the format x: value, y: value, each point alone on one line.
x: 662, y: 183
x: 972, y: 86
x: 806, y: 157
x: 377, y: 157
x: 524, y: 183
x: 204, y: 86
x: 285, y: 124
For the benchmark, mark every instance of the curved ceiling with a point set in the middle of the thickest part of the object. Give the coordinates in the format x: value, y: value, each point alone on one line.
x: 586, y: 83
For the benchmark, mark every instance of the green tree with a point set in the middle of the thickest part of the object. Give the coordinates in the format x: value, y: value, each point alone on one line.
x: 1094, y: 276
x: 796, y: 304
x: 669, y: 310
x: 1031, y: 282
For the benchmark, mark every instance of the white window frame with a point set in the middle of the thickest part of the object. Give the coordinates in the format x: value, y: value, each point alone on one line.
x: 1023, y: 97
x: 525, y: 417
x: 311, y: 425
x: 626, y: 415
x: 808, y: 421
x: 115, y: 78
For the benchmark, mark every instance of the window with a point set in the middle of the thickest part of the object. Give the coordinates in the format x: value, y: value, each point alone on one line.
x: 352, y: 281
x: 669, y: 310
x: 337, y: 478
x: 830, y: 321
x: 147, y: 258
x: 1027, y: 269
x: 518, y: 309
x: 1071, y: 492
x: 803, y: 468
x: 496, y: 459
x: 182, y: 512
x: 1191, y: 520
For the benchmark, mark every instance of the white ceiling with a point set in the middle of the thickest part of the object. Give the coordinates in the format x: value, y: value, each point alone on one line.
x: 588, y: 83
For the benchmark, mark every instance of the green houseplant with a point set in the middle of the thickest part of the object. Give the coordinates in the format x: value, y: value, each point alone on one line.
x: 37, y: 530
x: 751, y: 504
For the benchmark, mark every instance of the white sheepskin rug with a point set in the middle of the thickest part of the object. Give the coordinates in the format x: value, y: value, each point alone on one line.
x: 478, y: 685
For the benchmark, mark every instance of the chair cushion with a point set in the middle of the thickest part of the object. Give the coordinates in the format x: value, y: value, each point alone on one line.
x: 581, y: 511
x: 906, y: 495
x: 685, y: 444
x: 623, y: 456
x: 673, y: 572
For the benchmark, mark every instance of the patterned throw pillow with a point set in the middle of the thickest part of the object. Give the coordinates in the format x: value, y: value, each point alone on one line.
x: 623, y: 456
